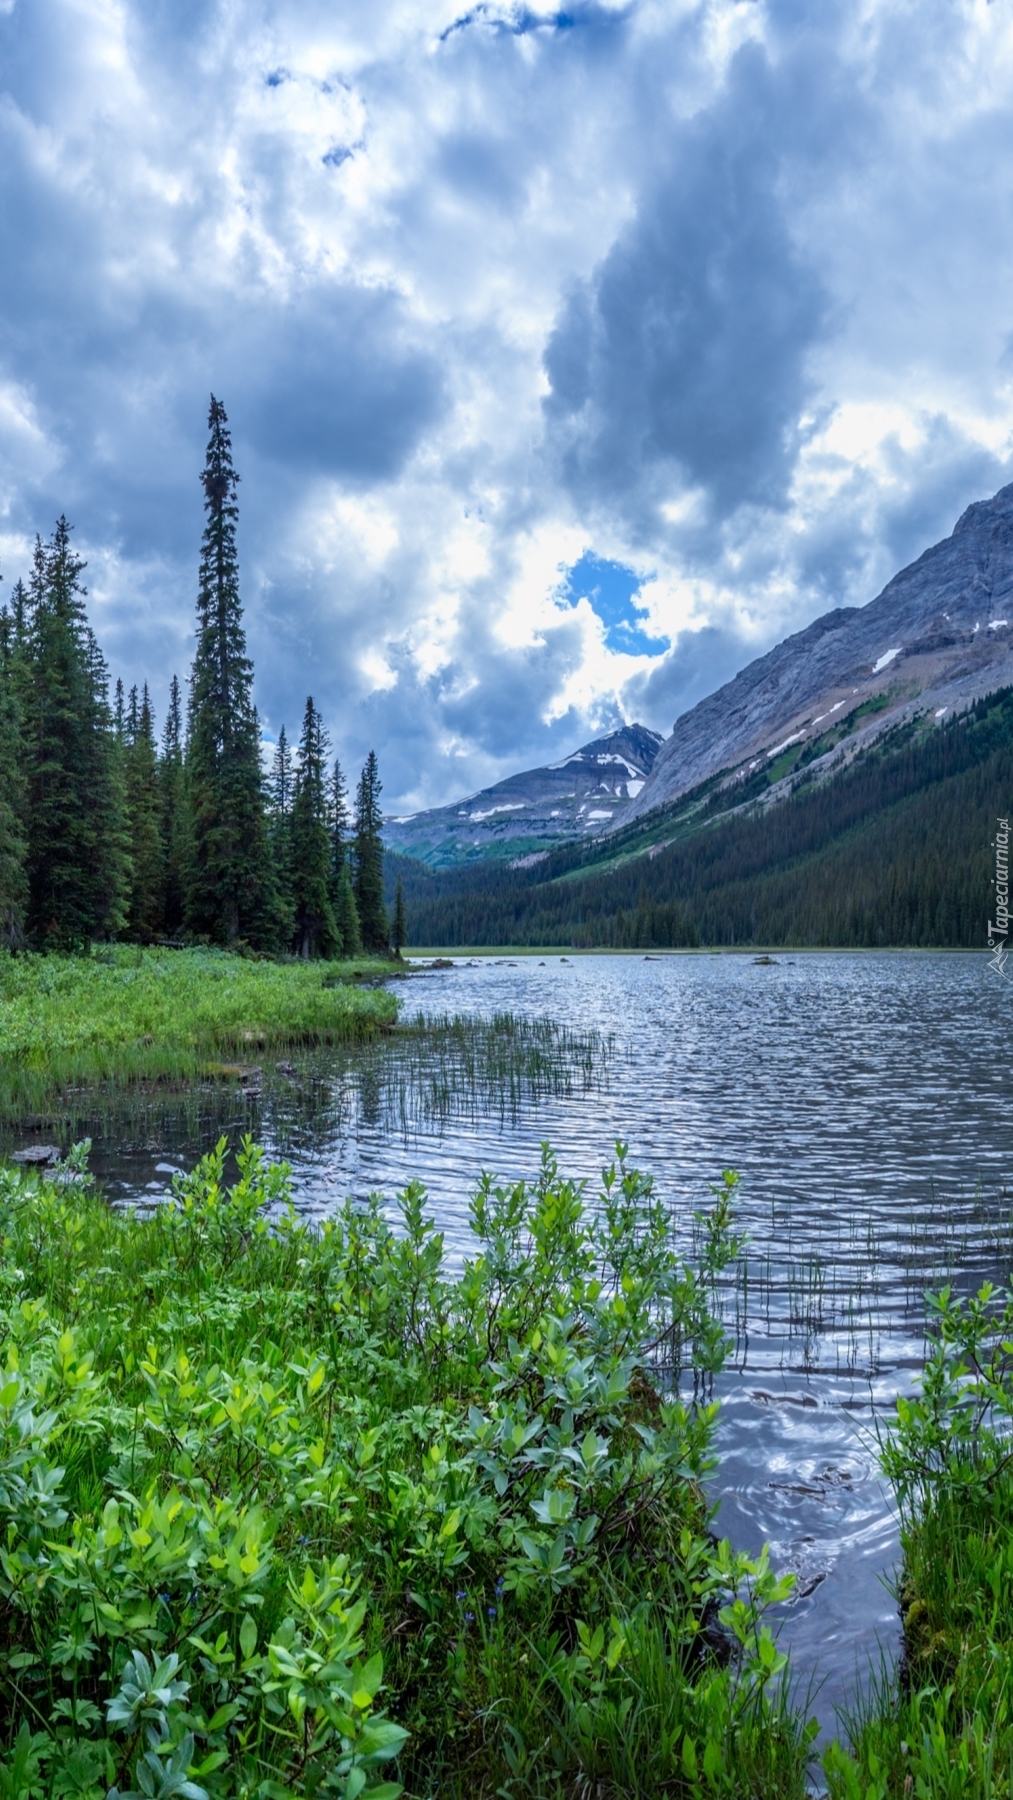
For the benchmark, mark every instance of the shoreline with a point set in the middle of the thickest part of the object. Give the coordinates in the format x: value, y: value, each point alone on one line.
x: 544, y: 951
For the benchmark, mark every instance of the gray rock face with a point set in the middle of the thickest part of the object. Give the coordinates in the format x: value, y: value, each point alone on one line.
x: 939, y: 636
x: 527, y: 814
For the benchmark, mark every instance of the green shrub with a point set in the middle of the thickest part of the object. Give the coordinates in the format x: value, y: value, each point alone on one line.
x: 287, y: 1511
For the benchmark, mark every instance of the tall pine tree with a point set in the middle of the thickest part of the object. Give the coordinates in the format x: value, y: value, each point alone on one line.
x: 77, y: 861
x: 339, y: 823
x: 13, y: 788
x: 280, y: 787
x: 230, y: 892
x: 346, y: 913
x: 369, y: 861
x: 399, y: 929
x: 172, y: 815
x: 147, y: 870
x: 315, y: 932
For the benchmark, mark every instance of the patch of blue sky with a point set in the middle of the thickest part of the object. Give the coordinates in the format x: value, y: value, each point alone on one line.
x: 516, y: 22
x: 612, y: 589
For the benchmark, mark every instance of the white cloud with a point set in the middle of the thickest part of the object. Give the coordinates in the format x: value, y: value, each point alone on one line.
x: 712, y: 289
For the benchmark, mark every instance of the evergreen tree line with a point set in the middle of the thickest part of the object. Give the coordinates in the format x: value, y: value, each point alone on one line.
x: 894, y: 850
x: 108, y: 831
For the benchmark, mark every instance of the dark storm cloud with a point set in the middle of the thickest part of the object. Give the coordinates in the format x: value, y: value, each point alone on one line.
x: 688, y: 345
x: 332, y: 386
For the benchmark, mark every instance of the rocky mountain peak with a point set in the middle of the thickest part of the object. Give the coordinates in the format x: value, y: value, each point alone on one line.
x: 527, y: 814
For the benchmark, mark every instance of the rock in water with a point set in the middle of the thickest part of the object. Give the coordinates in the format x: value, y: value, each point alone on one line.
x: 37, y: 1156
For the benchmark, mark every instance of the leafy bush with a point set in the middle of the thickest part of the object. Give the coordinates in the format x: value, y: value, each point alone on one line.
x: 287, y: 1511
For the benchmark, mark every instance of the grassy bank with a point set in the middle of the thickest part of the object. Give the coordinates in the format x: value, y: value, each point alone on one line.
x: 942, y: 1729
x: 286, y: 1512
x: 132, y: 1015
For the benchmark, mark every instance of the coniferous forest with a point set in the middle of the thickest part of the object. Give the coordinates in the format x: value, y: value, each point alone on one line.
x: 109, y: 829
x: 893, y: 849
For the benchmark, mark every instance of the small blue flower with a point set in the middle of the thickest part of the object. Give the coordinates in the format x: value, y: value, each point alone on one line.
x: 500, y: 1585
x: 491, y: 1610
x: 469, y: 1618
x: 461, y: 1594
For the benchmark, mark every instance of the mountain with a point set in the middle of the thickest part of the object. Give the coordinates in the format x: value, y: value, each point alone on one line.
x: 897, y: 846
x: 525, y: 815
x: 938, y: 636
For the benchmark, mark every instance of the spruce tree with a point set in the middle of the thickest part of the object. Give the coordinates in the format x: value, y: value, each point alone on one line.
x: 230, y: 892
x: 13, y: 790
x: 399, y: 929
x: 77, y: 860
x: 369, y: 861
x: 279, y: 787
x: 315, y: 932
x: 145, y: 907
x: 281, y: 779
x: 339, y: 824
x: 346, y: 916
x: 172, y: 815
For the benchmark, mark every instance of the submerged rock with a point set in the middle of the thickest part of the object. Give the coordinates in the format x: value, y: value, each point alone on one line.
x: 37, y: 1156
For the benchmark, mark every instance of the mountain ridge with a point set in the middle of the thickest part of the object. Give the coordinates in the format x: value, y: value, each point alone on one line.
x: 937, y: 637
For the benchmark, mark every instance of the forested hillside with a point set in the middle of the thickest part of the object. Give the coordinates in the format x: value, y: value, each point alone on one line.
x: 106, y: 832
x: 893, y: 850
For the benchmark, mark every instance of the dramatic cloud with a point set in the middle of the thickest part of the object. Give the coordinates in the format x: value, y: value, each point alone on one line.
x: 684, y: 357
x: 572, y: 356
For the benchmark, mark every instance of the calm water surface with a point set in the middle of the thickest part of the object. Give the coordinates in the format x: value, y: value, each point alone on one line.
x: 864, y: 1101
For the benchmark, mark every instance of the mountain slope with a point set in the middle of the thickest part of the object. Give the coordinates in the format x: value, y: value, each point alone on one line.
x: 938, y: 636
x: 894, y: 848
x: 528, y: 813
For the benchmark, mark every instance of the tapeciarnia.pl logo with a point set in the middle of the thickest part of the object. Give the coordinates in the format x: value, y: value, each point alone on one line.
x: 998, y: 929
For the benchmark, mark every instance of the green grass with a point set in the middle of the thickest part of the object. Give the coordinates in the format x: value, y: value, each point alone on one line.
x: 132, y: 1015
x: 941, y: 1728
x: 287, y: 1512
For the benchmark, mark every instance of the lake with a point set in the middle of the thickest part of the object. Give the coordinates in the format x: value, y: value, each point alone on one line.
x: 863, y: 1099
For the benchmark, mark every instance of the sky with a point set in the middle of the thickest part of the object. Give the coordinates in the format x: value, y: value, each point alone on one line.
x: 572, y: 359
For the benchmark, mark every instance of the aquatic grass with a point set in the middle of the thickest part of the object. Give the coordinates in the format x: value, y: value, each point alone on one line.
x: 837, y: 1290
x: 161, y: 1015
x: 408, y: 1080
x: 457, y: 1066
x: 288, y: 1511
